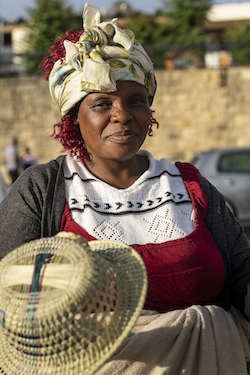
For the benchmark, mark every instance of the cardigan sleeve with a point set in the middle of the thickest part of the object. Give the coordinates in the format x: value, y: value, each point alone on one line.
x: 234, y: 247
x: 33, y: 207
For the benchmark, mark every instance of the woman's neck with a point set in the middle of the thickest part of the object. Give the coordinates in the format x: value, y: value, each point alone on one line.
x: 119, y: 174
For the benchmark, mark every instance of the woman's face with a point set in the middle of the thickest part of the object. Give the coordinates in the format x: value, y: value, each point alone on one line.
x: 114, y: 125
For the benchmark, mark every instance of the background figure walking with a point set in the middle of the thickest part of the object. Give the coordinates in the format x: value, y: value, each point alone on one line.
x: 12, y: 159
x: 28, y: 159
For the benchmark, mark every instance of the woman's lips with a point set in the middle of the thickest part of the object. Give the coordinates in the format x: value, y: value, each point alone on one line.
x: 122, y: 136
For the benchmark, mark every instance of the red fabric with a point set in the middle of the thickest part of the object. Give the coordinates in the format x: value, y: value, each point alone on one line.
x: 182, y: 272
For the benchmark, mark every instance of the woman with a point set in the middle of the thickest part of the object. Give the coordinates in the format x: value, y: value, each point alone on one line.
x: 195, y: 251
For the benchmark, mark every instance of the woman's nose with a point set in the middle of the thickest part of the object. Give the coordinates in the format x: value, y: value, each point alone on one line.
x: 121, y: 113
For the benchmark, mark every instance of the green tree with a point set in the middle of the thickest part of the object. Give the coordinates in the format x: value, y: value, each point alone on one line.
x: 179, y: 22
x: 48, y: 20
x: 151, y: 31
x: 148, y: 29
x: 239, y: 33
x: 187, y: 19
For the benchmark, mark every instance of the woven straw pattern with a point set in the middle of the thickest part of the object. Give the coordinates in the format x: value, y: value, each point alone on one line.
x: 67, y: 305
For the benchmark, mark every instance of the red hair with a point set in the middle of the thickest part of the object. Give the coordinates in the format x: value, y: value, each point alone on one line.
x: 153, y: 121
x: 67, y: 131
x: 57, y: 50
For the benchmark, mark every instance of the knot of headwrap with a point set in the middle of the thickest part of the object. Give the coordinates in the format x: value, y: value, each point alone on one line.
x: 104, y: 54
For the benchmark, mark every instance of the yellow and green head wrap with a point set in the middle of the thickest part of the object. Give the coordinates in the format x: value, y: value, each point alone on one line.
x: 104, y: 54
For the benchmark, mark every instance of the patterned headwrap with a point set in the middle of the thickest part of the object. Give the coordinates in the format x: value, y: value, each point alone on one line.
x: 104, y: 54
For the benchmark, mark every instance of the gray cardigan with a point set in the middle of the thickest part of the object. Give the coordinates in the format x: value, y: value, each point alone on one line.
x: 35, y: 203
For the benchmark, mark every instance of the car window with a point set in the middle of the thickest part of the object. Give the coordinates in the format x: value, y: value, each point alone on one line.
x: 236, y: 162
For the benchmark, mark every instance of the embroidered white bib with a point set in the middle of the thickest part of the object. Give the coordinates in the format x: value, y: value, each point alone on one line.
x: 155, y: 209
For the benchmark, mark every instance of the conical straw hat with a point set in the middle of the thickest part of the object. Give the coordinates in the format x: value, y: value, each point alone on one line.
x: 66, y: 305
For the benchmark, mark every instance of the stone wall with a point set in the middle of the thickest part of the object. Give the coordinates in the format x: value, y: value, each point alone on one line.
x: 28, y: 113
x: 194, y: 112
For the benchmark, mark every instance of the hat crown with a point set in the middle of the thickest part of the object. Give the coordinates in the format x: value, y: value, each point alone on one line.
x: 67, y: 304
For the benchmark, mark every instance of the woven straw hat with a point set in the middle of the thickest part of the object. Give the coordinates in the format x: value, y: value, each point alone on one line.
x: 66, y: 305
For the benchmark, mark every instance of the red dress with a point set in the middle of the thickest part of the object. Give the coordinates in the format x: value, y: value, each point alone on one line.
x: 181, y: 272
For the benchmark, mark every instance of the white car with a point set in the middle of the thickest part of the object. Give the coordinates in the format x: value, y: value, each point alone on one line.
x: 229, y: 171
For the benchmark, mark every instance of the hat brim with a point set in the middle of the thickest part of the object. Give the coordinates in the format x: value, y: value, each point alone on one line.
x: 55, y: 330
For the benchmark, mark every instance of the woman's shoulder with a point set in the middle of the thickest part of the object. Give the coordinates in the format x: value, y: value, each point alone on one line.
x: 40, y: 175
x: 54, y: 164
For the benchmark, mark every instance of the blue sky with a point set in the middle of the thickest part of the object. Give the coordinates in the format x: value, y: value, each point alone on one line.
x: 17, y: 8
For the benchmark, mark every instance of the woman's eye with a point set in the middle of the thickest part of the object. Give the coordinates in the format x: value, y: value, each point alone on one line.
x: 138, y: 101
x: 102, y: 105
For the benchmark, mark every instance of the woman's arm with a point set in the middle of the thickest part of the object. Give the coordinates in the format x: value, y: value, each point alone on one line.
x: 234, y: 247
x: 33, y: 207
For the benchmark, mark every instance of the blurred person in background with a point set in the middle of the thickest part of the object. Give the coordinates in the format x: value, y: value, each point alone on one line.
x: 12, y: 159
x: 28, y: 159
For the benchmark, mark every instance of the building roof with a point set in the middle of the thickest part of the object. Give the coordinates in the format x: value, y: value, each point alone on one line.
x: 229, y: 12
